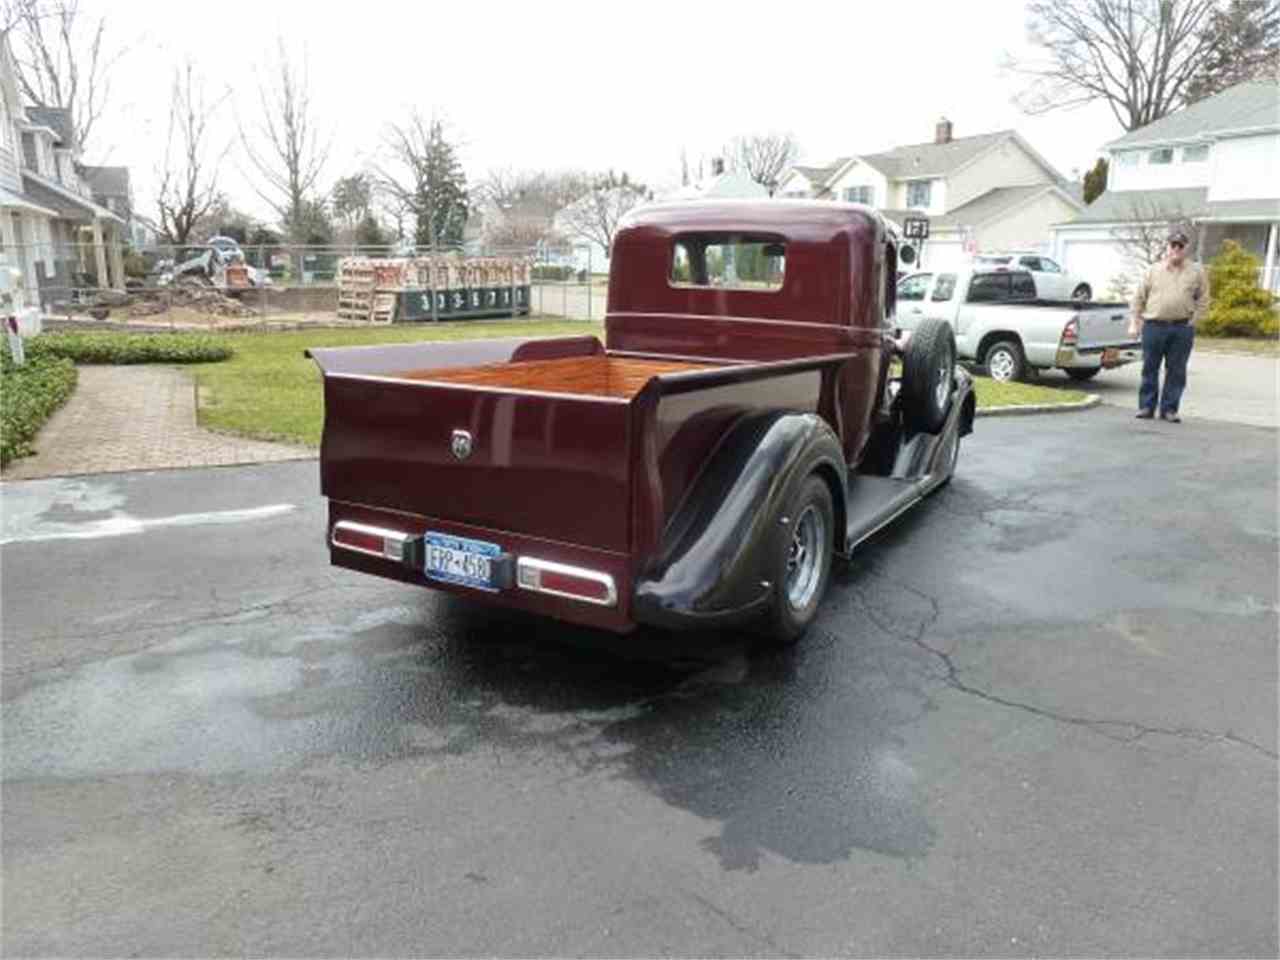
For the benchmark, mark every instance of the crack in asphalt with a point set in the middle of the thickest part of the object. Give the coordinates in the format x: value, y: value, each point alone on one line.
x: 1106, y: 728
x: 739, y: 926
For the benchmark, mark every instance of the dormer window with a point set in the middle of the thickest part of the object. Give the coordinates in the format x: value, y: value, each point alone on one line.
x: 1160, y: 157
x: 1196, y: 154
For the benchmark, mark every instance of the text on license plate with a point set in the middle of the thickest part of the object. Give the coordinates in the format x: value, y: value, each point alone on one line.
x: 461, y: 560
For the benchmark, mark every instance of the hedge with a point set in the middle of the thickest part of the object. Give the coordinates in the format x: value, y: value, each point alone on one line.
x: 1238, y: 307
x: 128, y: 348
x: 28, y: 396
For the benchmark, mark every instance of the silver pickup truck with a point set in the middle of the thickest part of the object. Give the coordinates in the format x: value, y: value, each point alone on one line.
x: 1001, y: 323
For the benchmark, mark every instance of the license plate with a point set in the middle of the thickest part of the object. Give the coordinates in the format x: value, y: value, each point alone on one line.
x: 460, y: 560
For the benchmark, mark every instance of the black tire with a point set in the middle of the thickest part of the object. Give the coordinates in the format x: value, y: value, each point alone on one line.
x: 928, y: 373
x: 800, y: 560
x: 1005, y: 361
x: 1083, y: 373
x: 1083, y: 293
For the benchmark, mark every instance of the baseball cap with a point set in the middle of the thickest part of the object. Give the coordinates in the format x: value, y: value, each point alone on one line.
x: 1178, y: 236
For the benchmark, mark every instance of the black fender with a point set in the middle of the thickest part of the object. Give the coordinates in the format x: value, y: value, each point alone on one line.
x: 709, y: 569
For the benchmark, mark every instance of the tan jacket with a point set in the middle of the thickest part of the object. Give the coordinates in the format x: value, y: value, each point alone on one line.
x: 1169, y: 294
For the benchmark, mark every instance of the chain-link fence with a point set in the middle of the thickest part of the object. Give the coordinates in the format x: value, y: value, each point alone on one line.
x: 228, y: 285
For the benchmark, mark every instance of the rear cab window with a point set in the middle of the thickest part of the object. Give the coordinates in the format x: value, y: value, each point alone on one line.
x: 728, y: 261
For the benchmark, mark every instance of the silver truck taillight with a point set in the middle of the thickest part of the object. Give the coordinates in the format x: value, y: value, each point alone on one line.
x: 373, y: 541
x: 562, y: 580
x: 1071, y: 333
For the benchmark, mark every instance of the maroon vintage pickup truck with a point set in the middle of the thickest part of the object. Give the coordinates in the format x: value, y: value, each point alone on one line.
x: 739, y: 427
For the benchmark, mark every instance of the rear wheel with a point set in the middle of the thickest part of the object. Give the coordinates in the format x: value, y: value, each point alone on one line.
x: 1005, y: 362
x: 800, y: 565
x: 1083, y: 373
x: 928, y: 369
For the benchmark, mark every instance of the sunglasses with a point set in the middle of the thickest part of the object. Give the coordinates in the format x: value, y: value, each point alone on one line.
x: 1177, y: 243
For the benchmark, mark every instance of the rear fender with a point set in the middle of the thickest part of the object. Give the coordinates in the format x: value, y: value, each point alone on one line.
x: 710, y: 568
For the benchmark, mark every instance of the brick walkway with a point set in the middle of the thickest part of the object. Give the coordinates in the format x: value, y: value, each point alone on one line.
x: 136, y: 418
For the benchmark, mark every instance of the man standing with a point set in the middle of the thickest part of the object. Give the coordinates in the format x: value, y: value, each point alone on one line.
x: 1171, y: 299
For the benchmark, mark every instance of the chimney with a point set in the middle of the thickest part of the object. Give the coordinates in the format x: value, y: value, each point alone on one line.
x: 942, y: 132
x: 717, y: 166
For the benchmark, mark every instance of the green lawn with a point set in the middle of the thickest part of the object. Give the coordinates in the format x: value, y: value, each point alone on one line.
x: 270, y: 391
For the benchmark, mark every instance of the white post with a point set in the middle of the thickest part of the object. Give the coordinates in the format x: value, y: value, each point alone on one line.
x: 99, y: 254
x: 1269, y: 269
x: 117, y: 260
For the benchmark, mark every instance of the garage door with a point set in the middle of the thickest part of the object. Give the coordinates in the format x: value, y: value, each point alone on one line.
x: 943, y: 255
x: 1097, y: 263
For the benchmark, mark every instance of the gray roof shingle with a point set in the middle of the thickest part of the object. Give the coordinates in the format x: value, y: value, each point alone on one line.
x: 57, y: 119
x: 107, y: 181
x: 932, y: 159
x: 1120, y: 206
x: 1254, y: 104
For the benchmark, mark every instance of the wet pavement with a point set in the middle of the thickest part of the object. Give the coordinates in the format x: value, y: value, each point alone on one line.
x: 1037, y: 715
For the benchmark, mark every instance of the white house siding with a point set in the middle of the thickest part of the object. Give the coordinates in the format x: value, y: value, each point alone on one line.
x: 1030, y: 226
x: 9, y: 170
x: 861, y: 175
x: 1133, y: 169
x: 942, y: 252
x: 1245, y: 168
x: 796, y: 184
x: 1006, y: 165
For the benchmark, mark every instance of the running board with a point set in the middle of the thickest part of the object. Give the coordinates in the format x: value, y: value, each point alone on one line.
x: 875, y: 502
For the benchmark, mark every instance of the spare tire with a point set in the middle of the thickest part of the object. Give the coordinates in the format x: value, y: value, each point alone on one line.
x: 928, y: 371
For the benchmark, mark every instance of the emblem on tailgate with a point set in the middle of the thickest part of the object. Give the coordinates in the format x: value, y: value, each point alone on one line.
x: 461, y: 444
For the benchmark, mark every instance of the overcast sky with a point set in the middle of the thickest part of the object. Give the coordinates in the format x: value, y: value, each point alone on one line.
x: 588, y: 85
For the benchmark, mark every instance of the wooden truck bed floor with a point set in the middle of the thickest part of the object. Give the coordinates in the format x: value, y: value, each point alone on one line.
x: 598, y: 376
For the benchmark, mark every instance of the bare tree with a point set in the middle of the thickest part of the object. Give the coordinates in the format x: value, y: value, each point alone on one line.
x: 188, y: 176
x: 1245, y: 45
x: 1142, y: 236
x: 286, y: 150
x: 1137, y: 56
x: 595, y: 215
x: 520, y: 208
x: 60, y: 60
x: 763, y: 157
x: 426, y: 179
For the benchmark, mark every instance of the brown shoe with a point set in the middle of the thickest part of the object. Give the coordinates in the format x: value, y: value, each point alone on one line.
x: 1170, y: 416
x: 1145, y: 414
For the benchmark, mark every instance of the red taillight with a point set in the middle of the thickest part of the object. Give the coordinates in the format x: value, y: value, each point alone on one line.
x: 1071, y: 333
x: 376, y: 541
x: 561, y: 580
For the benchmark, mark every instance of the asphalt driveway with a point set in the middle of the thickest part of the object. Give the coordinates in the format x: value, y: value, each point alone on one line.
x: 1036, y: 716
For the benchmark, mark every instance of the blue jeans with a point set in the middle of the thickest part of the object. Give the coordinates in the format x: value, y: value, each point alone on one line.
x: 1170, y: 343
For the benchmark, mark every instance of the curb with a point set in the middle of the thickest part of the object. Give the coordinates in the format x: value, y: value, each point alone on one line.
x: 1024, y: 409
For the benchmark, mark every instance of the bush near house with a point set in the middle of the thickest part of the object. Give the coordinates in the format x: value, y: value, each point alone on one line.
x: 128, y: 348
x: 1239, y: 306
x: 28, y: 396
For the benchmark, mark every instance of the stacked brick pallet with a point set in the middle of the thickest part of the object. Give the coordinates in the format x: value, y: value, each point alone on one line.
x: 425, y: 288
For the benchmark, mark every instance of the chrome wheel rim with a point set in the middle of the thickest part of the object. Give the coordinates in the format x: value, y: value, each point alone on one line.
x: 942, y: 385
x: 1000, y: 366
x: 805, y: 558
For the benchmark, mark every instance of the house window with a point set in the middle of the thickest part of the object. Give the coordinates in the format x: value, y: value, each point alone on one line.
x: 1129, y: 158
x: 919, y: 193
x: 857, y: 195
x: 1160, y: 157
x: 1196, y: 154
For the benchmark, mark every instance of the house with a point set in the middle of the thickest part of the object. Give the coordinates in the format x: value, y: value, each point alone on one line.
x: 1214, y: 166
x: 720, y: 185
x: 986, y: 192
x: 50, y: 227
x: 110, y: 187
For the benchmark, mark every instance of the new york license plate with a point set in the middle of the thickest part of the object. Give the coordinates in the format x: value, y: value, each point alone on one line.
x: 461, y: 560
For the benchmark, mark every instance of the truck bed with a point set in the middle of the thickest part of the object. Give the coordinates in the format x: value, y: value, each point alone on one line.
x: 595, y: 376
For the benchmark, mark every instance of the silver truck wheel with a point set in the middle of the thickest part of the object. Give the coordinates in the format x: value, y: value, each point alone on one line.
x: 801, y: 560
x: 1004, y: 361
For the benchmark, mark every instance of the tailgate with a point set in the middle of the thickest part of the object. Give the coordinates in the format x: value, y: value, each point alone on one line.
x: 1103, y: 325
x: 544, y: 465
